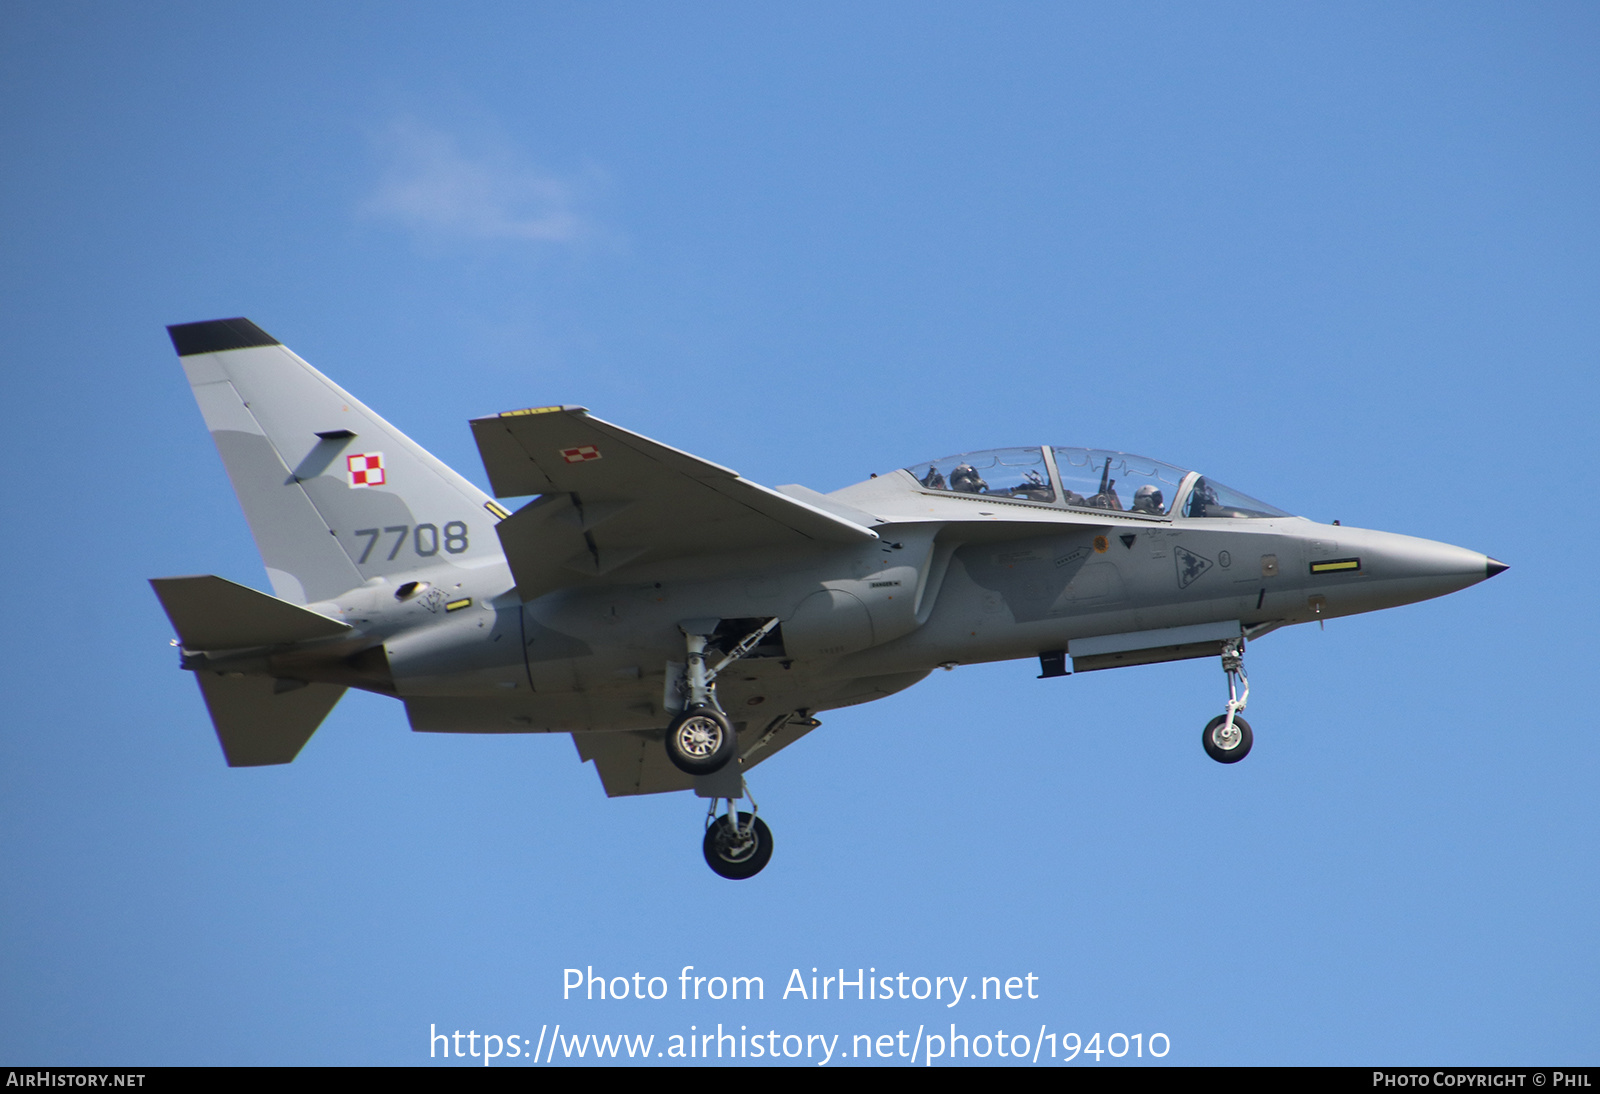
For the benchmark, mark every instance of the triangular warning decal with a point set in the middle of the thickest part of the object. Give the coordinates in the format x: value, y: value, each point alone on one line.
x: 1190, y: 565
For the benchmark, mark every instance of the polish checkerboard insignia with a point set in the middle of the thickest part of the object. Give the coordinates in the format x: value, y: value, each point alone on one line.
x: 366, y: 469
x: 581, y: 454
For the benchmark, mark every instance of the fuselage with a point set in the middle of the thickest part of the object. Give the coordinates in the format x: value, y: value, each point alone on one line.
x: 860, y: 622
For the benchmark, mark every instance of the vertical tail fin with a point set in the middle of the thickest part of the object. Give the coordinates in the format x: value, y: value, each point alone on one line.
x: 334, y: 494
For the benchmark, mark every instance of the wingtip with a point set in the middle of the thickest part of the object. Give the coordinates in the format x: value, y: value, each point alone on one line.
x: 217, y: 336
x: 562, y: 408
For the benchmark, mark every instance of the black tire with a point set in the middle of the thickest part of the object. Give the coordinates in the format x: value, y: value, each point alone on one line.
x: 1227, y: 755
x: 738, y: 859
x: 700, y: 741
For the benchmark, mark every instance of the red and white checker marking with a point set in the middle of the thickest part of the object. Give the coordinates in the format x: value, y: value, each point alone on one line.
x: 582, y: 453
x: 366, y: 469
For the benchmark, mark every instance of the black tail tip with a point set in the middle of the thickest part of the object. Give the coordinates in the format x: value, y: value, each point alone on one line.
x: 217, y: 335
x: 1493, y: 567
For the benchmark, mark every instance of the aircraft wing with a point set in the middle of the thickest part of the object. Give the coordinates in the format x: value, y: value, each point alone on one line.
x: 610, y: 497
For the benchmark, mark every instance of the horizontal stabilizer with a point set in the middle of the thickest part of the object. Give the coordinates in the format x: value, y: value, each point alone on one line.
x: 212, y: 613
x: 260, y: 724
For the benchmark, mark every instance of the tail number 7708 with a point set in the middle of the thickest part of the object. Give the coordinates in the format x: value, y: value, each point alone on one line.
x: 425, y: 539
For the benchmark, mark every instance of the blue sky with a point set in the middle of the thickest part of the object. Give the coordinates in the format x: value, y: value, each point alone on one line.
x: 1341, y: 257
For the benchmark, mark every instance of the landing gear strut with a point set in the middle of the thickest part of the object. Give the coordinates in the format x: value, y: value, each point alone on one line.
x: 700, y: 739
x: 1227, y: 737
x: 737, y: 844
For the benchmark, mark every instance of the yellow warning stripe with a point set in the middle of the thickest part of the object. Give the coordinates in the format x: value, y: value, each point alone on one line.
x: 457, y: 605
x: 497, y: 509
x: 529, y: 410
x: 1336, y: 565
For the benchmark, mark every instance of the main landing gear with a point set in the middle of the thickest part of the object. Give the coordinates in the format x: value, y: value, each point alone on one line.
x: 1227, y: 737
x: 701, y: 741
x: 737, y: 844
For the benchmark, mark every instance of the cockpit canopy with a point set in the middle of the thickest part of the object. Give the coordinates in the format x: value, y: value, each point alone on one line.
x: 1088, y: 478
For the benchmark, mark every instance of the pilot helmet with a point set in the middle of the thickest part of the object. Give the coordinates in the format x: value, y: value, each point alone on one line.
x: 1148, y: 499
x: 965, y: 475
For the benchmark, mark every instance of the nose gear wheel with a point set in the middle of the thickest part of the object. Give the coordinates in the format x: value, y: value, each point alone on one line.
x: 1227, y: 743
x: 1227, y: 737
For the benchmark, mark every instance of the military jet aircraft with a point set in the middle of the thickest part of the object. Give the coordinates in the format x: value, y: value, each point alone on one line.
x: 684, y: 623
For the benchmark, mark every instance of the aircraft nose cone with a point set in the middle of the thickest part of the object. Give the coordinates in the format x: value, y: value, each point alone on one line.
x: 1402, y: 557
x: 1404, y: 569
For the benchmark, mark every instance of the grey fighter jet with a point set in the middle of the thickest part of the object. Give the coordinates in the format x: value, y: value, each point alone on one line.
x: 684, y: 623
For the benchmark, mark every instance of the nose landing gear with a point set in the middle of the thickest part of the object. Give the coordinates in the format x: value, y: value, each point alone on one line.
x: 1227, y: 737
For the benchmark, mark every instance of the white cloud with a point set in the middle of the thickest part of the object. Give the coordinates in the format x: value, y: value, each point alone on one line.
x: 431, y: 186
